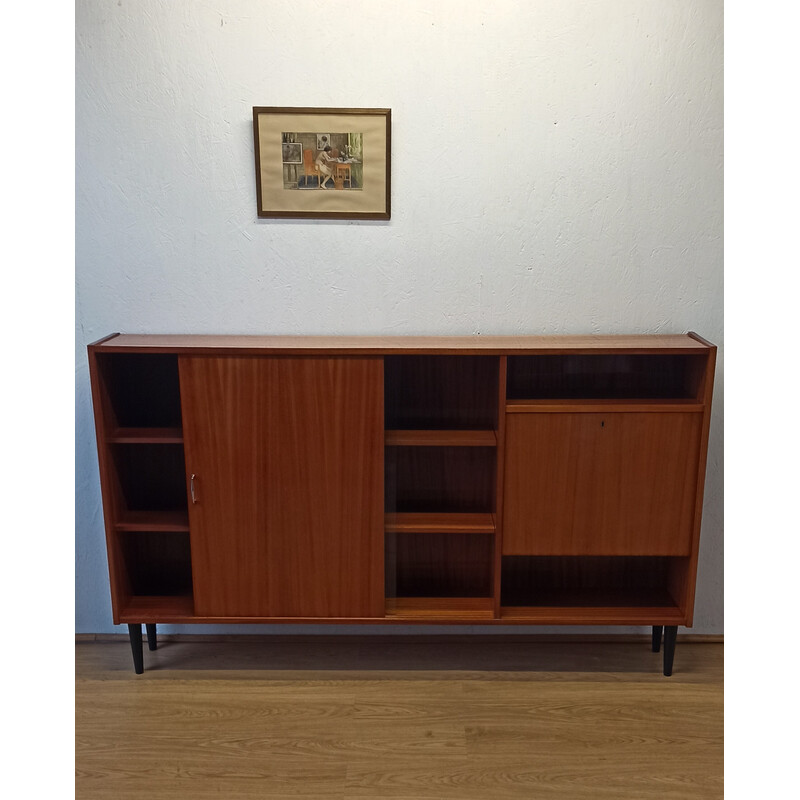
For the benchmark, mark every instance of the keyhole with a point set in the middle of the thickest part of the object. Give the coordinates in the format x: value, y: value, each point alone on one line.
x: 603, y: 424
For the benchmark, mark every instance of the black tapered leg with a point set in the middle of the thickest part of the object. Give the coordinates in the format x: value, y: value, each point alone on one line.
x: 658, y: 631
x: 151, y: 636
x: 670, y: 634
x: 135, y: 632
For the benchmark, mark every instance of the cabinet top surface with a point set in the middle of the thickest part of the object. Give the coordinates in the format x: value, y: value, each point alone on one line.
x: 382, y: 345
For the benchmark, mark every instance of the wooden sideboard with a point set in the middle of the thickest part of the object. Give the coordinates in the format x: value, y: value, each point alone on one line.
x: 483, y: 480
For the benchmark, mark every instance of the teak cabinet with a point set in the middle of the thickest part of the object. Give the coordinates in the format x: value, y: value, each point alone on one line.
x: 527, y: 480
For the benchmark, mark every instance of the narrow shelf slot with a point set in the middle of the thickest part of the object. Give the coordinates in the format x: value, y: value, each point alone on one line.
x: 439, y: 523
x: 441, y: 438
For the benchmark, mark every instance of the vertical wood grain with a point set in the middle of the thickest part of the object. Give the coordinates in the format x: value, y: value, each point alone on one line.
x: 600, y: 484
x: 287, y: 454
x: 442, y: 564
x: 441, y: 479
x: 450, y: 392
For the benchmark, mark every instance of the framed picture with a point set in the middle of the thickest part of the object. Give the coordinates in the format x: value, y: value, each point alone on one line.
x: 292, y: 153
x: 302, y: 173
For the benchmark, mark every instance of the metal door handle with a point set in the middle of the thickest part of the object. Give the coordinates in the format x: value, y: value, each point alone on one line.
x: 191, y: 489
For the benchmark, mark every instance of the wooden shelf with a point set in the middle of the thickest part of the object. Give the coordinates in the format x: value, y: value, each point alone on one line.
x: 571, y: 594
x: 153, y: 608
x: 594, y: 615
x: 439, y: 523
x: 441, y: 438
x: 166, y: 521
x: 570, y: 405
x: 440, y: 607
x: 146, y: 436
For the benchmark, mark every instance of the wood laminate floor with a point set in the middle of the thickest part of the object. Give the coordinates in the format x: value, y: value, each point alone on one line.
x: 349, y: 720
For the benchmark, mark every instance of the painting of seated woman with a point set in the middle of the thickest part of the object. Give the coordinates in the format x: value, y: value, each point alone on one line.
x: 323, y: 161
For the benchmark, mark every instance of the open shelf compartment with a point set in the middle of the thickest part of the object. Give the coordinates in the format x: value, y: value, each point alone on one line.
x: 609, y: 376
x: 440, y: 479
x: 425, y: 392
x: 155, y: 563
x: 149, y: 478
x: 140, y: 391
x: 436, y: 574
x: 536, y: 586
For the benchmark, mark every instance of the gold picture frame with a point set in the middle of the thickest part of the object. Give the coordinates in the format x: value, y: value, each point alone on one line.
x: 345, y: 172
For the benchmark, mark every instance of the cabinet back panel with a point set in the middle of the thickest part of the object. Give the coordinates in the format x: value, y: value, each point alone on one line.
x: 441, y: 392
x: 439, y: 565
x: 586, y: 581
x: 151, y: 477
x: 157, y: 563
x: 440, y: 479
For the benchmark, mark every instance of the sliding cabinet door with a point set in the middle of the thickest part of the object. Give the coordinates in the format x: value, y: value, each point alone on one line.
x: 286, y: 514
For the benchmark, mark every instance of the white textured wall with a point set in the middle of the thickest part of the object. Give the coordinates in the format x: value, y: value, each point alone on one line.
x: 556, y: 168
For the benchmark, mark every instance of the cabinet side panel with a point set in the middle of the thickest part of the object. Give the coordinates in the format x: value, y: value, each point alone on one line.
x: 103, y: 420
x: 684, y: 585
